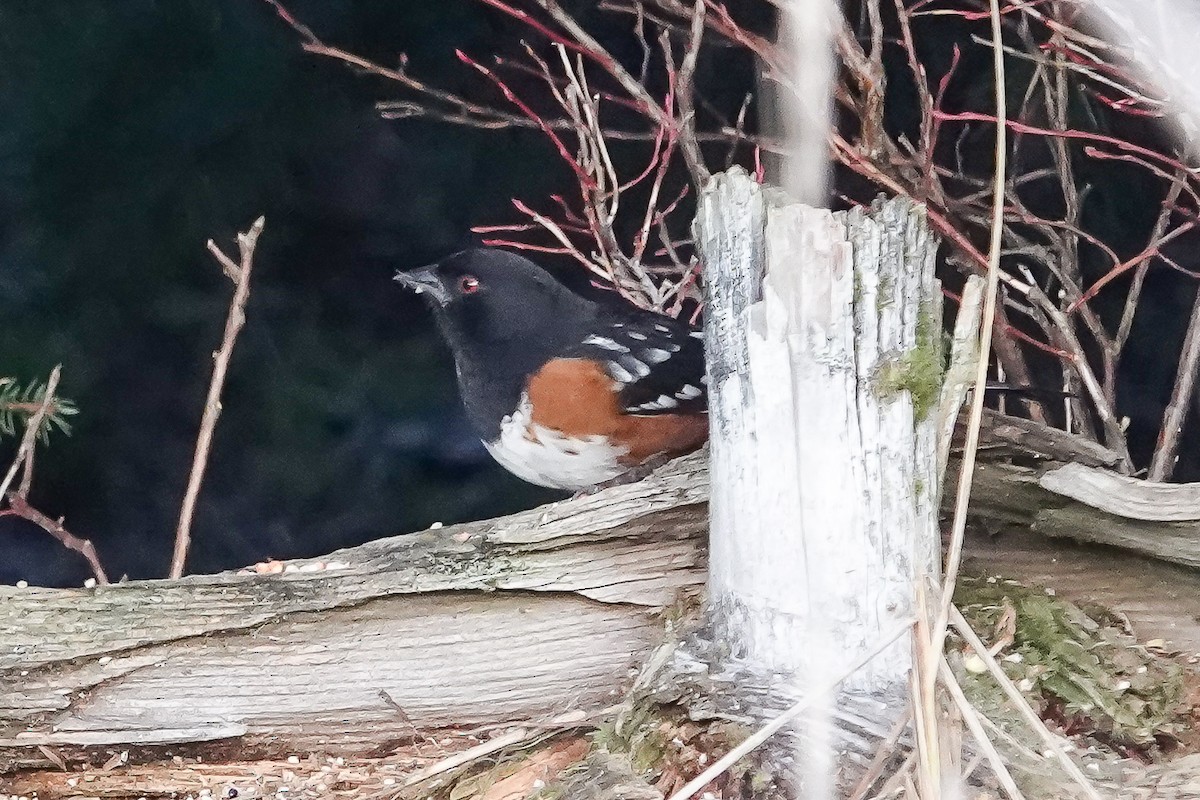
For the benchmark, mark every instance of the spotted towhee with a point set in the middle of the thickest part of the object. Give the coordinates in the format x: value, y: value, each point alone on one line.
x: 564, y: 391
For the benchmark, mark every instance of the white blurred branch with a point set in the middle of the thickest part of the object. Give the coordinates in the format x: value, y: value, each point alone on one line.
x: 806, y: 39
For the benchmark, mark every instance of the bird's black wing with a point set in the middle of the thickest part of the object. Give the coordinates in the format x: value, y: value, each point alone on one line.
x: 657, y: 361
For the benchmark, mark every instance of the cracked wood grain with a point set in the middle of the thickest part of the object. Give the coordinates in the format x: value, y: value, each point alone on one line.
x: 473, y: 626
x: 463, y: 630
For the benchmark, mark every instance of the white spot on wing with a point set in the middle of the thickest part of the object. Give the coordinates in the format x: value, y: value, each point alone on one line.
x: 606, y: 343
x: 688, y: 392
x: 641, y: 337
x: 637, y: 368
x: 697, y: 334
x: 661, y: 328
x: 619, y: 373
x: 655, y: 355
x: 546, y: 457
x: 661, y: 404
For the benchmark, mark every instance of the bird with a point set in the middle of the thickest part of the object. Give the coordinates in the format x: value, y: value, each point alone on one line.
x: 564, y: 391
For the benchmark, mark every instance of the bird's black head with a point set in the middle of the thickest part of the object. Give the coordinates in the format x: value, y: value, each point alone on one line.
x: 486, y: 299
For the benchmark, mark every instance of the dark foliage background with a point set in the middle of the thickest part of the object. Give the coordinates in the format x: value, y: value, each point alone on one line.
x: 133, y: 131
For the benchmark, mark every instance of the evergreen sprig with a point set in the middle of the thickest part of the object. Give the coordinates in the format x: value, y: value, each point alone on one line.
x: 19, y: 403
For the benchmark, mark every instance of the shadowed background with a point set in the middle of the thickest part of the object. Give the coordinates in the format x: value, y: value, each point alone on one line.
x: 134, y: 131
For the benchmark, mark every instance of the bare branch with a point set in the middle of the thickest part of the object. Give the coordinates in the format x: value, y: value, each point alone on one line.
x: 684, y: 89
x: 1162, y: 465
x: 236, y: 318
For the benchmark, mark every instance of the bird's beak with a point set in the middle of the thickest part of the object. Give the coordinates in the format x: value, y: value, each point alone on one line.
x: 424, y: 280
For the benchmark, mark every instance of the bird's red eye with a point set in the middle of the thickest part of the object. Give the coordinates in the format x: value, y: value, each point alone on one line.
x: 468, y: 284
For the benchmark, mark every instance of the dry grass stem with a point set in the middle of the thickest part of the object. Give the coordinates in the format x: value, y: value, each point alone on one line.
x: 928, y: 761
x: 1021, y: 704
x: 510, y: 738
x: 970, y: 448
x: 886, y: 749
x: 759, y: 737
x: 524, y: 736
x: 971, y: 717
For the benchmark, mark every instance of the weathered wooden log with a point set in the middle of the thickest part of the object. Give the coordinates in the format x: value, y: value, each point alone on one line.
x: 1064, y: 487
x: 533, y: 620
x: 520, y: 620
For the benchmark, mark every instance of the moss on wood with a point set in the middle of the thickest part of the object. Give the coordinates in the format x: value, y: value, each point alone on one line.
x: 918, y: 371
x: 1077, y: 664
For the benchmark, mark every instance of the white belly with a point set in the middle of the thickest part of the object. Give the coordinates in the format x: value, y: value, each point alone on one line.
x: 548, y: 458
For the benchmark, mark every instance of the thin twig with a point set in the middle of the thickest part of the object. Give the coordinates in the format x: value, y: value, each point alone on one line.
x: 18, y: 501
x: 900, y: 776
x: 513, y: 737
x: 236, y: 318
x: 509, y: 738
x: 20, y: 507
x: 971, y: 717
x: 1143, y: 266
x: 883, y: 752
x: 461, y: 111
x: 684, y: 101
x: 1162, y: 464
x: 1022, y: 705
x: 597, y: 52
x: 967, y: 470
x: 29, y: 440
x: 764, y: 733
x: 1061, y: 329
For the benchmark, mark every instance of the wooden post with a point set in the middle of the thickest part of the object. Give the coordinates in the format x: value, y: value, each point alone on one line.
x: 823, y: 333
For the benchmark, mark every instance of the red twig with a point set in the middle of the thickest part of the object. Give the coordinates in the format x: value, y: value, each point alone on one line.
x: 525, y: 18
x: 1020, y: 127
x: 1041, y: 255
x: 1017, y: 333
x: 537, y: 119
x: 20, y: 507
x: 1150, y: 251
